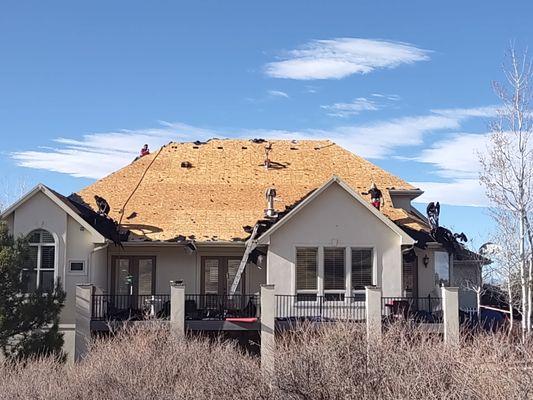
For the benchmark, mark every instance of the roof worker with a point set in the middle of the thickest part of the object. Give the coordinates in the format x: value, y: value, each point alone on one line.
x: 376, y: 197
x: 145, y: 150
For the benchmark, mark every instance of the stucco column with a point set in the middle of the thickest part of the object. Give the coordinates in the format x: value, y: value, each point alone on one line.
x: 373, y: 314
x: 177, y: 309
x: 450, y: 309
x: 84, y: 313
x: 268, y: 321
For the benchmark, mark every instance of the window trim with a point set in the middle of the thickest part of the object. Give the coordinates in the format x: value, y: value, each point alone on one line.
x: 348, y: 292
x: 83, y: 272
x: 39, y: 246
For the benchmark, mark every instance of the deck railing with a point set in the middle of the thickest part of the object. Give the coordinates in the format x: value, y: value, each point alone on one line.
x: 423, y: 309
x: 220, y: 307
x: 122, y: 307
x: 320, y: 308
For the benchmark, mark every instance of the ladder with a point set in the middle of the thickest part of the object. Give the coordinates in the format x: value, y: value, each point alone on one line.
x: 250, y: 246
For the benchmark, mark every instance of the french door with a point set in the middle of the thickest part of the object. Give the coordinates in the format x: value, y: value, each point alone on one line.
x: 410, y: 278
x: 133, y: 275
x: 218, y: 274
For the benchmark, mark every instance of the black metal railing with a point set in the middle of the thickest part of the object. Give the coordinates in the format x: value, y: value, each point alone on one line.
x: 421, y: 309
x: 122, y: 307
x: 310, y: 307
x: 217, y: 307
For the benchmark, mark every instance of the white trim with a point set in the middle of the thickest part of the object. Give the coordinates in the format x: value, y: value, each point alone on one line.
x: 97, y: 236
x: 405, y: 238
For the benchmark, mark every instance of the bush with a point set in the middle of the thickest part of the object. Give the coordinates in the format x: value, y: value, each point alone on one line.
x: 328, y: 363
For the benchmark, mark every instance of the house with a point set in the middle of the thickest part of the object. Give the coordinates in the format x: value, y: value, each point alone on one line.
x: 224, y: 217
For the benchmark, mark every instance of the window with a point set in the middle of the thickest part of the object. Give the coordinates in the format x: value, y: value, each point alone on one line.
x: 39, y: 270
x: 334, y: 273
x: 442, y: 269
x: 307, y: 270
x: 361, y: 268
x: 76, y: 267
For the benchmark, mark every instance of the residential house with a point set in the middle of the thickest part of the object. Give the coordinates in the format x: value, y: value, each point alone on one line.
x: 190, y: 212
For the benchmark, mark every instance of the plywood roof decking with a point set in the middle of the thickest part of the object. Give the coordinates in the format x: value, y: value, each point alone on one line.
x: 224, y: 189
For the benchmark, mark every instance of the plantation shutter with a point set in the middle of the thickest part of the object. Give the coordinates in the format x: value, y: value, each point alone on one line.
x: 361, y: 269
x: 334, y: 269
x: 306, y: 268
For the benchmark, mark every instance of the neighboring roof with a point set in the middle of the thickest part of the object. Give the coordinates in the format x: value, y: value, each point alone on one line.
x: 406, y: 239
x: 223, y: 188
x: 83, y: 215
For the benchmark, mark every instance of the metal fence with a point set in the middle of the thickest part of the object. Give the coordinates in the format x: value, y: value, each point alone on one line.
x: 320, y: 308
x: 122, y: 307
x: 423, y: 309
x: 219, y: 307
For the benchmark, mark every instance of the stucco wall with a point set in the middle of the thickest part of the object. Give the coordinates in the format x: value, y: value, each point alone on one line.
x: 335, y: 219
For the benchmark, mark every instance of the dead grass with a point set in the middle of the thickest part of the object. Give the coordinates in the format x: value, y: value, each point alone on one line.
x: 329, y: 363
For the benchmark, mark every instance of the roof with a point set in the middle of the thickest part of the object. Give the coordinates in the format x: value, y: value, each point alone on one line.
x: 222, y: 189
x: 406, y: 239
x: 83, y: 215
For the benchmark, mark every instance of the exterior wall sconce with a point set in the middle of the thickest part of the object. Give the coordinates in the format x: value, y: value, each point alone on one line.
x: 425, y: 260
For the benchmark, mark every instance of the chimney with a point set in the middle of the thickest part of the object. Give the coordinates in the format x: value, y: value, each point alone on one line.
x: 270, y: 194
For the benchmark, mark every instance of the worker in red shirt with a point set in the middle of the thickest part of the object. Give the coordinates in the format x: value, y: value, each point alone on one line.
x: 145, y: 150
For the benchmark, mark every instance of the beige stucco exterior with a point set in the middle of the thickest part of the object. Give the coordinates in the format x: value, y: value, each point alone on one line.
x: 335, y: 219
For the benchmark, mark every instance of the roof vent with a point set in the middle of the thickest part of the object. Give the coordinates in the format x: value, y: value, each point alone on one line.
x: 270, y: 194
x: 268, y: 149
x: 186, y: 164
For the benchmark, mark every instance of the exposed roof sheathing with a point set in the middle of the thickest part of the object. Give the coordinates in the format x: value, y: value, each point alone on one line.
x: 223, y: 188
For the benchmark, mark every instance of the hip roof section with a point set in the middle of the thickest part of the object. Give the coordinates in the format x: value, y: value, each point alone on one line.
x: 209, y: 191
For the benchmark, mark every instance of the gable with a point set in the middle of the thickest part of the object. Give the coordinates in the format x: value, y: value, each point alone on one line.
x: 334, y: 212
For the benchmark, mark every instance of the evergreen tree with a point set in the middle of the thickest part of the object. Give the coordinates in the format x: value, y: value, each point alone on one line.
x: 29, y: 322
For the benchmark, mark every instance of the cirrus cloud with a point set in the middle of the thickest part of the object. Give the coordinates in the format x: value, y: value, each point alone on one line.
x: 341, y: 57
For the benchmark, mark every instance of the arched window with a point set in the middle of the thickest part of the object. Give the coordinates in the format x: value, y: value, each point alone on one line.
x: 40, y: 268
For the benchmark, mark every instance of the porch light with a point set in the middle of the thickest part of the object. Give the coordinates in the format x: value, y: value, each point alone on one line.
x: 425, y: 260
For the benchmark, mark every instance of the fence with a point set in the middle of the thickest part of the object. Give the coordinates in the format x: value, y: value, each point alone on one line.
x: 319, y: 308
x: 122, y: 307
x: 220, y: 307
x: 423, y: 309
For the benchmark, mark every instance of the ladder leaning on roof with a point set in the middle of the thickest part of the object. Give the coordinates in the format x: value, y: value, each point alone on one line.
x: 250, y: 246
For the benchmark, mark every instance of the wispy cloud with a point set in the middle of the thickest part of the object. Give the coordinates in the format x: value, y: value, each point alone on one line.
x: 359, y: 105
x: 98, y: 154
x: 453, y: 159
x: 278, y: 93
x: 349, y: 109
x: 479, y: 112
x: 341, y: 57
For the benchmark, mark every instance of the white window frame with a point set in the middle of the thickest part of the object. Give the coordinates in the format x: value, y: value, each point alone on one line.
x: 83, y: 272
x: 348, y: 292
x: 39, y: 247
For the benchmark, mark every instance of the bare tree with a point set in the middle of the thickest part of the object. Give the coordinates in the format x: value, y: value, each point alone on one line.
x: 507, y: 168
x: 10, y: 191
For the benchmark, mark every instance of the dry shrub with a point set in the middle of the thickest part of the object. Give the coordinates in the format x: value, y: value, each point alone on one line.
x: 408, y: 363
x: 333, y: 362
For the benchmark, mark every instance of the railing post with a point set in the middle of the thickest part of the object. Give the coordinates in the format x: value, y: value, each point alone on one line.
x: 450, y: 310
x: 84, y: 314
x: 268, y: 321
x: 373, y: 314
x: 177, y: 309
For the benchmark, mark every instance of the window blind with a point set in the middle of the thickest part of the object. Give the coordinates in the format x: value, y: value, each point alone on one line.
x: 306, y: 268
x: 361, y: 268
x: 334, y: 269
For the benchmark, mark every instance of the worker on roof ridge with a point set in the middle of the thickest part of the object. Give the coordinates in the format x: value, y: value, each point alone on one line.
x: 145, y: 150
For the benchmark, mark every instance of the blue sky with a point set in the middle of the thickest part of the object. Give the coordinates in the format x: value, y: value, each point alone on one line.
x: 406, y: 84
